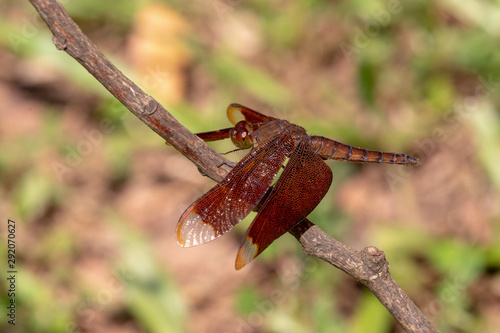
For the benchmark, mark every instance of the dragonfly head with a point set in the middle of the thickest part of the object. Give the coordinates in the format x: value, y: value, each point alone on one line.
x: 241, y: 135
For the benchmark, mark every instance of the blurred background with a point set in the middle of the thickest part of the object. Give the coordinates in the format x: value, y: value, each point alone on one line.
x: 96, y: 195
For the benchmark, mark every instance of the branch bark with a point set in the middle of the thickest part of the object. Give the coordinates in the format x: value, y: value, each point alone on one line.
x: 368, y: 266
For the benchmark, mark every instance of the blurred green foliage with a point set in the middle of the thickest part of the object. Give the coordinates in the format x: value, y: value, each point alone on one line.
x: 430, y: 55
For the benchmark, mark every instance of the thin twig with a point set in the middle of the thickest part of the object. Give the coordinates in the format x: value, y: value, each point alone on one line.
x: 368, y: 266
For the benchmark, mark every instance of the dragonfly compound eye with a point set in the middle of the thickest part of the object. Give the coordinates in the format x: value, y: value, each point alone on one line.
x: 241, y: 131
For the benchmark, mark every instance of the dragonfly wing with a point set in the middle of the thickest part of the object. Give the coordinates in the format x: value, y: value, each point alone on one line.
x: 226, y: 204
x: 215, y: 135
x: 300, y: 188
x: 237, y: 112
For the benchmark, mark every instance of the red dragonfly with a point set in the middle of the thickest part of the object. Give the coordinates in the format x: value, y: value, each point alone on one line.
x: 303, y: 183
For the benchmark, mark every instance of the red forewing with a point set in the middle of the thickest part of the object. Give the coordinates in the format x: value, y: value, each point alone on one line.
x: 215, y: 135
x: 231, y: 200
x: 300, y: 188
x: 237, y: 112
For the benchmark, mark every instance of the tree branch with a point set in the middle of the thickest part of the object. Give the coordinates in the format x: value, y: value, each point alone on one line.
x: 368, y: 266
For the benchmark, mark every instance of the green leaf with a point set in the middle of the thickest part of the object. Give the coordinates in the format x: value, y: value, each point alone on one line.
x: 367, y: 82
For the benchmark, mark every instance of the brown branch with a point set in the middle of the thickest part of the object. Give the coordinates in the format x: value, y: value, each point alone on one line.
x: 368, y: 266
x: 70, y: 38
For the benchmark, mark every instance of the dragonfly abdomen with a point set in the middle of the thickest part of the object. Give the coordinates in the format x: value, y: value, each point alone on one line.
x: 333, y: 150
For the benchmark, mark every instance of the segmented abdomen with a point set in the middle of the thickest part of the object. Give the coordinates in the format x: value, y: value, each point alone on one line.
x: 333, y: 150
